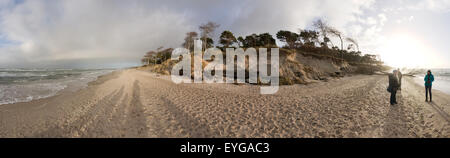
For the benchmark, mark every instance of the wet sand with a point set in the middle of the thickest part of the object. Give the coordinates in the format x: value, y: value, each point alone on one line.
x: 134, y: 103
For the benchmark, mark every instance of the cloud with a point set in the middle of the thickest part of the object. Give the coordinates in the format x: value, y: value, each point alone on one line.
x: 88, y: 29
x: 405, y: 19
x: 44, y: 31
x: 368, y: 31
x: 432, y: 5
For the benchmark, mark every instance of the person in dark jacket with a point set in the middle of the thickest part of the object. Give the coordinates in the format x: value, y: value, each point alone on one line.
x: 393, y: 86
x: 399, y: 76
x: 429, y: 78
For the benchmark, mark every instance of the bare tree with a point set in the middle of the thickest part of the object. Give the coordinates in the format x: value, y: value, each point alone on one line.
x: 322, y: 26
x: 189, y: 40
x: 353, y: 41
x: 336, y: 33
x: 206, y: 30
x: 159, y: 48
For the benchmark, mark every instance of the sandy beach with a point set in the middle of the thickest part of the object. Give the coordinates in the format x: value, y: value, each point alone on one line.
x: 135, y: 103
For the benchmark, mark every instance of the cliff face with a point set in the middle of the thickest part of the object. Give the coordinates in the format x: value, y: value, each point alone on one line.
x: 295, y: 67
x: 163, y: 68
x: 298, y: 68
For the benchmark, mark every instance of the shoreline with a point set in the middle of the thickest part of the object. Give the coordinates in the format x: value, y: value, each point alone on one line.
x: 114, y: 74
x: 437, y: 85
x: 135, y: 103
x: 67, y: 89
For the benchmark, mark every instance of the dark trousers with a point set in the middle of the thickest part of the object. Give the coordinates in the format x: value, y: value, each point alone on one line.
x: 394, y: 95
x: 428, y: 90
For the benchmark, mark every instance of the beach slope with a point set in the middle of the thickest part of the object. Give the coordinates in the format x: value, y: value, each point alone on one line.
x: 134, y: 103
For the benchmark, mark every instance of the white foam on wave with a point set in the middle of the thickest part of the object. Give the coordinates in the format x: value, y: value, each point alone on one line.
x: 28, y: 91
x: 24, y: 74
x: 24, y: 93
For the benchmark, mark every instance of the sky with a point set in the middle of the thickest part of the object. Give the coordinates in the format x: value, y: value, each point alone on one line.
x: 117, y: 33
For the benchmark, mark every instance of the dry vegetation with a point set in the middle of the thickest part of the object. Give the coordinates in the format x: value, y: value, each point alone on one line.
x: 307, y: 56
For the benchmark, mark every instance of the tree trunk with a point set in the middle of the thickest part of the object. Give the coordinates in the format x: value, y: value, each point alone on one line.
x: 189, y: 44
x: 204, y: 43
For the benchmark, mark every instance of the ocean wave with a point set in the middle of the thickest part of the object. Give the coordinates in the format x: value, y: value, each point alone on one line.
x: 23, y: 93
x: 22, y: 74
x: 23, y: 86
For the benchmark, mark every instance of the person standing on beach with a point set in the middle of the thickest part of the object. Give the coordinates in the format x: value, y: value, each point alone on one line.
x: 399, y: 75
x: 393, y: 86
x: 429, y: 78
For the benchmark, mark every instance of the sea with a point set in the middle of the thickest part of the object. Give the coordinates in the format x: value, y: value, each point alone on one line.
x: 23, y: 85
x: 441, y: 79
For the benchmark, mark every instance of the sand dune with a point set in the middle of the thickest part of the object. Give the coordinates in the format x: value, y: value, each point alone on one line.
x: 134, y: 103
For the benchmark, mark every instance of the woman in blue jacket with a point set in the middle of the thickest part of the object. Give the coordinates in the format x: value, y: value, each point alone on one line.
x: 429, y: 78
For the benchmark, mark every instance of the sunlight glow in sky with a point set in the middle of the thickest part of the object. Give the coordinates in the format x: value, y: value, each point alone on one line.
x: 404, y: 50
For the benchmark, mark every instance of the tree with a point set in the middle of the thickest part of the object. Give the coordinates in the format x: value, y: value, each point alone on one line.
x: 163, y: 54
x: 241, y: 41
x: 369, y: 59
x: 227, y: 38
x: 206, y: 30
x: 189, y: 40
x: 289, y: 37
x: 322, y: 26
x: 266, y: 39
x: 336, y: 33
x: 148, y: 57
x: 350, y: 47
x: 354, y: 42
x: 250, y: 41
x: 254, y: 40
x: 309, y: 37
x: 209, y: 43
x: 158, y: 56
x: 327, y: 40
